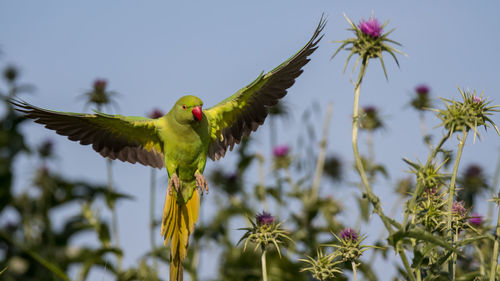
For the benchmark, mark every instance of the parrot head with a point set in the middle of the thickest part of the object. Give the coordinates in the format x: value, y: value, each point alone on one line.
x: 188, y: 110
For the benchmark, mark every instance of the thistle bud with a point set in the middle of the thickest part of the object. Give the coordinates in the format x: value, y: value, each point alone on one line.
x: 421, y: 101
x: 370, y: 119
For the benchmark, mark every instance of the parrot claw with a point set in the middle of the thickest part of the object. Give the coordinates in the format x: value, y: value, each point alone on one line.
x: 201, y: 182
x: 173, y: 181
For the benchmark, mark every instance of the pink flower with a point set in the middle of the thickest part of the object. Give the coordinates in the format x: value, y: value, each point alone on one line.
x: 476, y: 99
x: 281, y: 151
x: 476, y: 220
x: 422, y: 89
x: 100, y: 84
x: 458, y: 208
x: 370, y: 27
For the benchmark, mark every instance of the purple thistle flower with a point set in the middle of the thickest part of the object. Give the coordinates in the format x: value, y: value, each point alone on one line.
x: 422, y: 89
x: 349, y: 234
x: 458, y: 208
x: 473, y: 170
x: 156, y: 113
x: 264, y: 218
x: 281, y: 150
x: 430, y: 192
x: 370, y: 27
x: 46, y: 149
x: 476, y: 99
x: 476, y: 220
x: 100, y: 84
x: 232, y: 178
x: 370, y: 109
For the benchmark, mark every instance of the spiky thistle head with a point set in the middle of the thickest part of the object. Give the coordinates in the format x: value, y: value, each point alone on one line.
x: 469, y: 114
x: 264, y: 231
x: 323, y: 267
x: 369, y: 43
x: 349, y: 246
x: 428, y: 175
x: 99, y: 95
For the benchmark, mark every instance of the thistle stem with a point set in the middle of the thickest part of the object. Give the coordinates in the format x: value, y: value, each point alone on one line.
x: 451, y: 195
x: 355, y: 276
x: 264, y: 266
x: 481, y: 260
x: 262, y: 184
x: 495, y: 184
x: 454, y: 255
x: 494, y: 257
x: 152, y: 197
x: 359, y: 165
x: 114, y: 215
x: 320, y: 163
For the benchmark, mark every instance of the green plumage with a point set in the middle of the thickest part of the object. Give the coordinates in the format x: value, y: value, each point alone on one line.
x: 181, y: 140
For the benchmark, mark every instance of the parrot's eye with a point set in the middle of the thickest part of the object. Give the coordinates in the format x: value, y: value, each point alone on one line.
x: 184, y: 106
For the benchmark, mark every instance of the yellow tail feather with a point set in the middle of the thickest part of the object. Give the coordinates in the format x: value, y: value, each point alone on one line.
x: 177, y: 224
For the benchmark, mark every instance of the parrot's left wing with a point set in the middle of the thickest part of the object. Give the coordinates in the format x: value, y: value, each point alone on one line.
x: 132, y: 139
x: 246, y: 110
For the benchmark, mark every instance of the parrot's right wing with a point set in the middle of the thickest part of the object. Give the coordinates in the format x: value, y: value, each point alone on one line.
x: 132, y: 139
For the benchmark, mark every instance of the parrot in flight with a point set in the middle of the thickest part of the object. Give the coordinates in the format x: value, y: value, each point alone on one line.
x: 180, y: 141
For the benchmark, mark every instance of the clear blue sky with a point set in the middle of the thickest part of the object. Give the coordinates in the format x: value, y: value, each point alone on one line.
x: 153, y: 52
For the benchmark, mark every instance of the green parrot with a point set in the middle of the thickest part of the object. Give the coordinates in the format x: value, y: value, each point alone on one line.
x: 180, y: 141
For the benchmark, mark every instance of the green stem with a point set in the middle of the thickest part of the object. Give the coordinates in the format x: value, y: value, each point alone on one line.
x: 355, y: 276
x: 359, y: 164
x: 114, y: 215
x: 264, y: 266
x: 496, y: 181
x: 320, y: 163
x: 494, y: 258
x: 423, y: 129
x: 451, y: 196
x: 368, y: 190
x: 152, y: 197
x: 454, y: 255
x: 481, y: 260
x: 262, y: 184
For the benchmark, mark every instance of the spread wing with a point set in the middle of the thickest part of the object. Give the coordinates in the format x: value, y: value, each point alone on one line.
x: 131, y: 139
x: 246, y: 110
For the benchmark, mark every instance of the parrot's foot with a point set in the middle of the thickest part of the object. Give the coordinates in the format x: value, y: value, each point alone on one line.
x: 173, y: 181
x: 201, y: 182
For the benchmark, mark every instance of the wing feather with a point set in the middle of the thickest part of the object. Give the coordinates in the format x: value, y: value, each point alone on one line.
x: 243, y: 112
x: 131, y: 139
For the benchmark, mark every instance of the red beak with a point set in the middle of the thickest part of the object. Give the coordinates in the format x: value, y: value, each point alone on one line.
x: 197, y: 113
